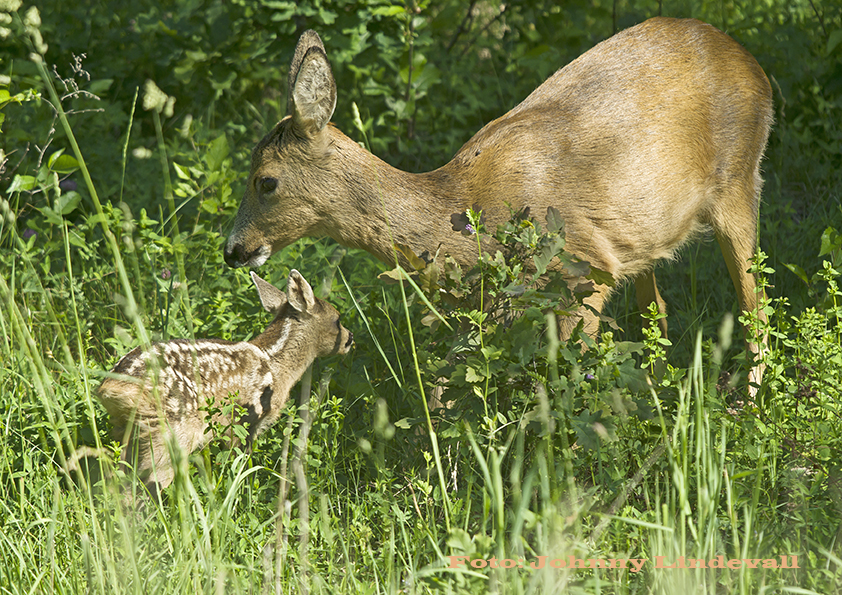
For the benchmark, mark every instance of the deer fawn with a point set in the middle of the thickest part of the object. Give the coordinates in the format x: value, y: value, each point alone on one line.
x: 163, y: 391
x: 641, y: 143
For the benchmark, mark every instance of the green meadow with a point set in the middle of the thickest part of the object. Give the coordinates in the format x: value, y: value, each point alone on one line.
x: 634, y: 463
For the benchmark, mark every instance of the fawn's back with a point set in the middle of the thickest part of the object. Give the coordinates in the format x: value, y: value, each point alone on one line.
x: 175, y: 390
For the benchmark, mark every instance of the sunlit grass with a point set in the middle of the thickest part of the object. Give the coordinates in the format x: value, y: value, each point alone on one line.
x: 349, y: 493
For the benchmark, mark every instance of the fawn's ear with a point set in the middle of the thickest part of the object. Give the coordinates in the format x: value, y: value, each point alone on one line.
x: 300, y: 293
x: 271, y: 298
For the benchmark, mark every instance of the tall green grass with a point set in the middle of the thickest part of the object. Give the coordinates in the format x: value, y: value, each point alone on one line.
x: 349, y: 493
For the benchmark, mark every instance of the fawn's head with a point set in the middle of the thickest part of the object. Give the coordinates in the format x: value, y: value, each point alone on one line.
x: 316, y: 322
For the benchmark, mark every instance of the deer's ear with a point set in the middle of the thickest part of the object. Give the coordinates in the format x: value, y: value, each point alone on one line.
x: 301, y: 296
x: 312, y: 90
x: 271, y: 298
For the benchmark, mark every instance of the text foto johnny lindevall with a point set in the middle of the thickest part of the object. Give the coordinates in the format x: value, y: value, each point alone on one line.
x: 633, y: 564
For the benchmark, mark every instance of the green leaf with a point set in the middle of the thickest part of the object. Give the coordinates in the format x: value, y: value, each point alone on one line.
x: 460, y: 540
x: 831, y: 240
x: 279, y: 4
x: 515, y: 289
x: 491, y: 353
x: 54, y: 156
x: 403, y: 423
x: 548, y: 252
x: 51, y: 216
x: 96, y: 219
x: 68, y: 202
x: 601, y: 277
x: 542, y: 260
x: 100, y: 86
x: 387, y: 11
x: 21, y: 184
x: 575, y: 268
x: 593, y: 428
x: 555, y: 223
x: 211, y: 205
x: 472, y: 375
x: 63, y: 164
x: 27, y: 95
x: 76, y: 240
x: 327, y: 16
x: 799, y: 272
x: 180, y: 171
x: 216, y: 153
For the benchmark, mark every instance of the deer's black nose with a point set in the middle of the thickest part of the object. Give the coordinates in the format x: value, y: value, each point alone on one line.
x: 235, y: 256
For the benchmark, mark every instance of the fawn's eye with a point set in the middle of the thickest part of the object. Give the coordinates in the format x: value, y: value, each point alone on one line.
x: 267, y: 185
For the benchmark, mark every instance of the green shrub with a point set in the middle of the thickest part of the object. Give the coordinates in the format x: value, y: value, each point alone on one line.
x: 619, y: 446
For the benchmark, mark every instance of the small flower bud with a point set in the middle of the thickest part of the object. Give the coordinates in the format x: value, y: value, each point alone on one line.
x: 185, y: 127
x: 32, y: 18
x: 168, y: 108
x: 38, y: 42
x: 10, y: 5
x: 153, y: 97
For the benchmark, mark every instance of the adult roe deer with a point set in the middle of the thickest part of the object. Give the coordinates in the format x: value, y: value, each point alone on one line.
x: 165, y: 390
x: 647, y: 139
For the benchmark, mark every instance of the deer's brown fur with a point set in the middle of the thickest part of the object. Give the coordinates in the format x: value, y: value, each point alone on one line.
x: 651, y: 137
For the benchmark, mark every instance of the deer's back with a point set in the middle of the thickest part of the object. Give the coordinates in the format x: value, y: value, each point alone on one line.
x: 631, y: 142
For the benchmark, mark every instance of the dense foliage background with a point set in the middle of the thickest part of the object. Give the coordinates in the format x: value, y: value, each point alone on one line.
x: 632, y: 448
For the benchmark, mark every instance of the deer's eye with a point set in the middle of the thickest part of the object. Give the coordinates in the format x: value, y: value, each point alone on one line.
x: 267, y: 185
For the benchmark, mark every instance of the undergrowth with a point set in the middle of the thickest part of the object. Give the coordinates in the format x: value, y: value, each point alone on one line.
x: 463, y: 446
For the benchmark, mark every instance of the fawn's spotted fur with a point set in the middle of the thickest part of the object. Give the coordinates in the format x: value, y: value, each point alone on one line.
x: 165, y: 391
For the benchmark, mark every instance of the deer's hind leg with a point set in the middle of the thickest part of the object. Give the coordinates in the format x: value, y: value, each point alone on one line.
x: 146, y: 451
x: 735, y: 223
x: 646, y: 290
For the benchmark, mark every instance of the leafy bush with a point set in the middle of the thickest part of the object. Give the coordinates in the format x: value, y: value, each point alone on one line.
x: 618, y: 446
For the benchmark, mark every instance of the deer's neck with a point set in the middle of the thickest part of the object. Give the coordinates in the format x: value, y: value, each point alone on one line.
x: 389, y: 206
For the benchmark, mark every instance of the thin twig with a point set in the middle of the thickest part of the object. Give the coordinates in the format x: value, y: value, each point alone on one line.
x: 821, y: 20
x: 465, y: 24
x: 503, y: 9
